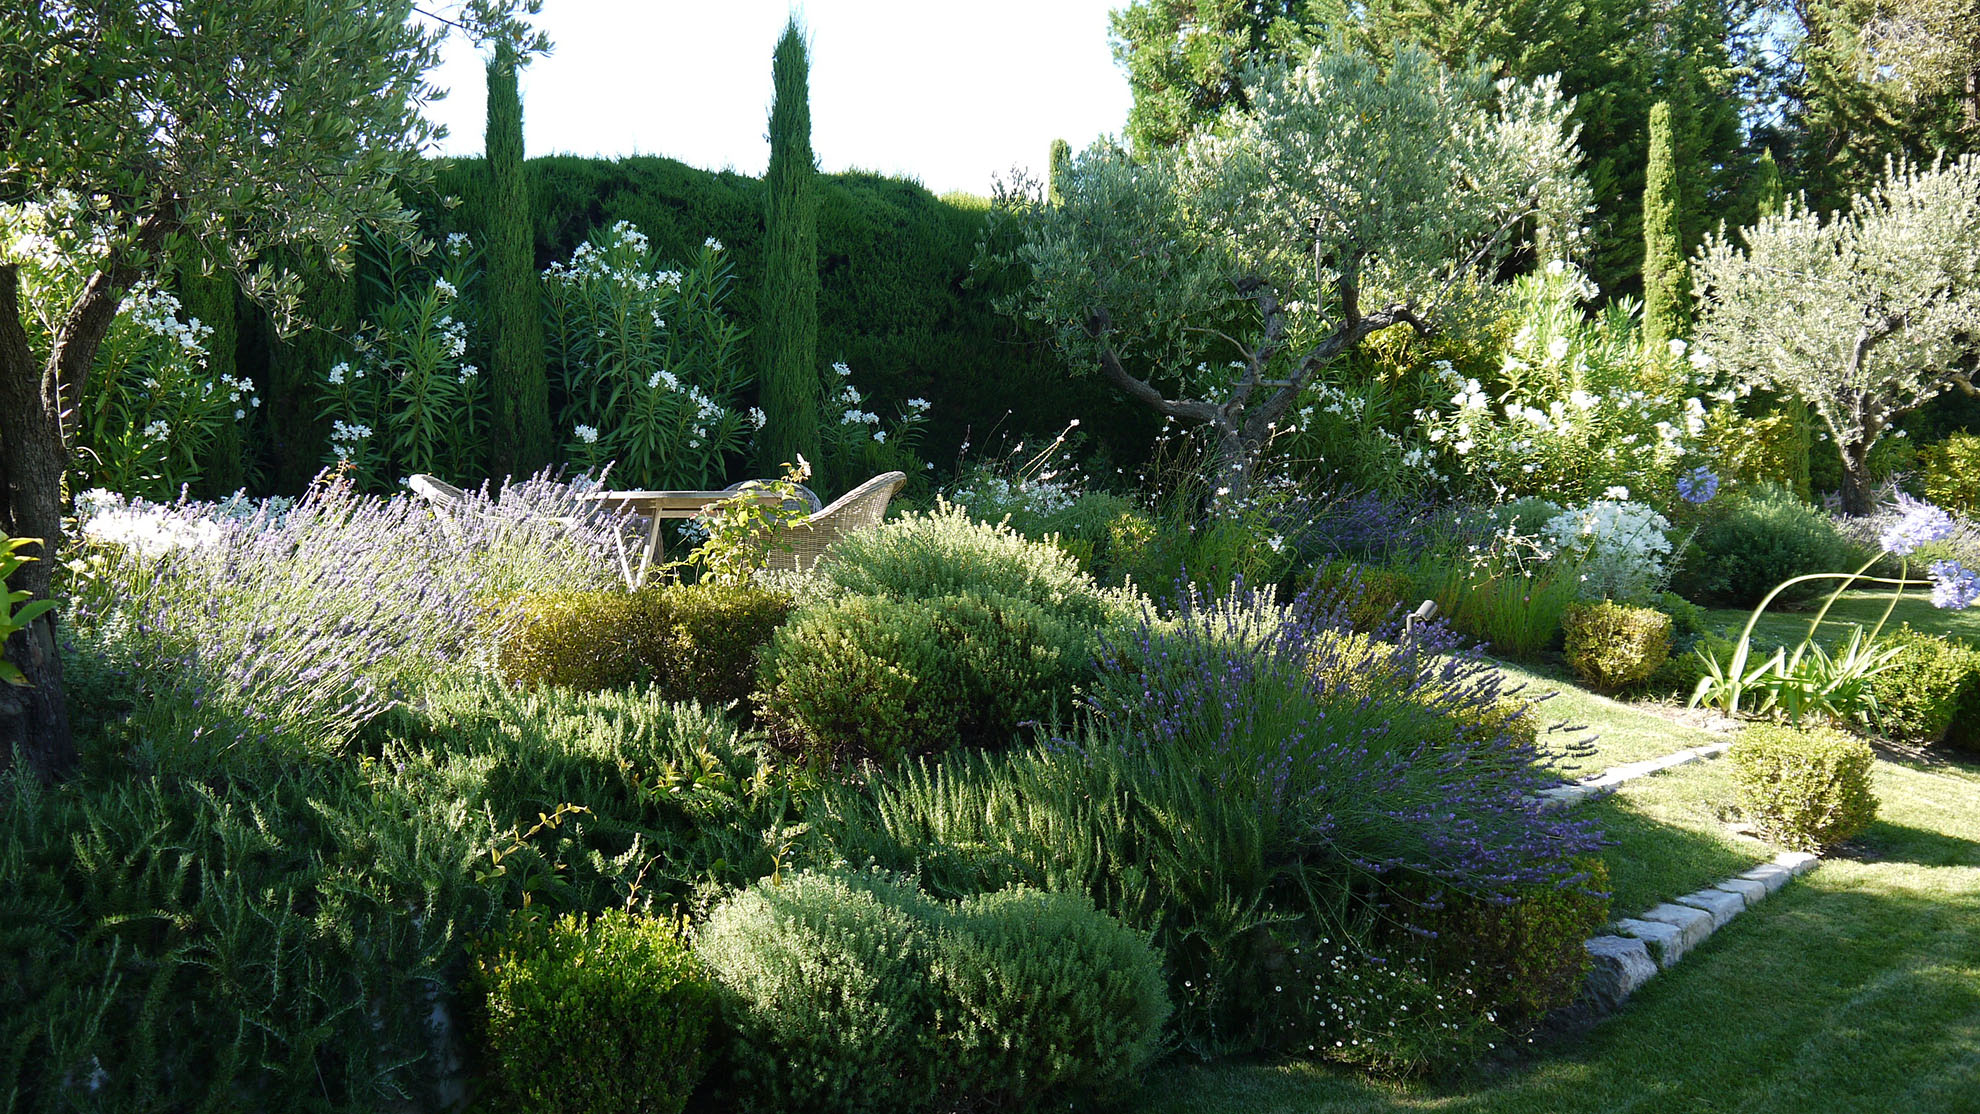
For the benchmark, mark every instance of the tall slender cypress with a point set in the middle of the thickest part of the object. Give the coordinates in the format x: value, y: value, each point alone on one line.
x: 1769, y: 194
x: 210, y: 299
x: 1061, y: 157
x: 787, y: 335
x: 520, y: 432
x: 1666, y: 277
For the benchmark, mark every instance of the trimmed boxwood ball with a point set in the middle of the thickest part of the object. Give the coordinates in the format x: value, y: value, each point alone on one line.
x: 872, y: 677
x: 1931, y: 693
x: 1805, y: 788
x: 1612, y: 646
x: 595, y: 1017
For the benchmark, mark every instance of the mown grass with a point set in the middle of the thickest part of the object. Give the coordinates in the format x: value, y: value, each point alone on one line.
x: 1856, y: 989
x: 1622, y: 732
x: 1861, y: 608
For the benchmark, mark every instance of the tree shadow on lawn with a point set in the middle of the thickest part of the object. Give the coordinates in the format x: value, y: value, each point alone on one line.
x: 1652, y: 860
x: 1856, y: 994
x: 1886, y: 842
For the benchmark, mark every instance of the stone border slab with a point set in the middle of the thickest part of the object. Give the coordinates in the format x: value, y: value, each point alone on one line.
x: 1575, y: 792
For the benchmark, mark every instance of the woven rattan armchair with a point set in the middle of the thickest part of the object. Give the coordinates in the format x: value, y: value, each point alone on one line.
x: 812, y: 503
x: 800, y: 545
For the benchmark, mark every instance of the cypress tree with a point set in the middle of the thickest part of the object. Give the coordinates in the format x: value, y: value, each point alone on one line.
x: 520, y: 432
x: 1666, y: 277
x: 1769, y: 194
x: 787, y: 335
x: 1061, y: 155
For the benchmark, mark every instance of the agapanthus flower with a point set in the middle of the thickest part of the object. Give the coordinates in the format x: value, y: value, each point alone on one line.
x: 1698, y: 485
x: 1920, y: 523
x: 1954, y: 586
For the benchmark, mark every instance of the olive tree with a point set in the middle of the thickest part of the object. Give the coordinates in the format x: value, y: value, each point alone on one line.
x: 1864, y: 314
x: 1211, y: 283
x: 217, y: 127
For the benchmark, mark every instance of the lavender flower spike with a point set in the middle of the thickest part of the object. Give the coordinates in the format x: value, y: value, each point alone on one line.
x: 1954, y: 586
x: 1920, y: 523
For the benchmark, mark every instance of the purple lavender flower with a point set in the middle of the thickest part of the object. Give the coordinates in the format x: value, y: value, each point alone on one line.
x: 1698, y: 485
x: 1954, y: 586
x: 1920, y: 523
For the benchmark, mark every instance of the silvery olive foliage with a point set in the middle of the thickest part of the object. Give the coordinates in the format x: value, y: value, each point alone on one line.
x: 1211, y: 283
x: 1865, y: 314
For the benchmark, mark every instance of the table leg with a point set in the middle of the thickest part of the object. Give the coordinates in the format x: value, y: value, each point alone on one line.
x: 655, y: 549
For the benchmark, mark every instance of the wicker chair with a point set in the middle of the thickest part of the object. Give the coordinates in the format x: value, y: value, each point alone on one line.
x: 802, y: 543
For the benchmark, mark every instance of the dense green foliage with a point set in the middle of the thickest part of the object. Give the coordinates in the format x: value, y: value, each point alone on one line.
x: 1527, y: 955
x: 607, y: 1016
x: 787, y: 336
x: 1946, y: 473
x: 520, y: 435
x: 884, y: 678
x: 1754, y: 542
x: 1666, y: 278
x: 1931, y: 692
x: 1805, y: 788
x: 688, y: 642
x: 855, y: 992
x: 1612, y: 646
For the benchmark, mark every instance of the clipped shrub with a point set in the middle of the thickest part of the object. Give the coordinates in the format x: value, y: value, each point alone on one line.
x: 1805, y: 788
x: 1760, y: 540
x: 691, y: 641
x: 1525, y: 956
x: 1612, y: 646
x: 1045, y: 997
x: 944, y: 552
x: 1364, y: 666
x: 592, y: 1017
x: 826, y: 986
x: 1946, y: 470
x: 1931, y: 692
x: 874, y: 677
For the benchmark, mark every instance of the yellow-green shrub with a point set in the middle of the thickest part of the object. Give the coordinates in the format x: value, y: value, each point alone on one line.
x: 595, y: 1017
x: 1613, y: 646
x: 1370, y: 594
x: 1946, y: 472
x: 691, y: 641
x: 1525, y: 955
x: 1364, y: 665
x: 1805, y: 788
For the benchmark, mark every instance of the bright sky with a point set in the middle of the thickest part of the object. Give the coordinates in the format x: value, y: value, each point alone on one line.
x: 952, y: 94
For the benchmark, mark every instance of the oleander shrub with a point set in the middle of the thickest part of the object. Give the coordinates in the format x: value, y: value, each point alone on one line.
x: 1946, y: 472
x: 594, y: 1016
x: 689, y: 641
x: 1522, y: 954
x: 1048, y: 1000
x: 1757, y: 541
x: 881, y: 678
x: 1805, y: 788
x: 1931, y: 692
x: 944, y: 552
x: 826, y: 987
x: 1612, y: 646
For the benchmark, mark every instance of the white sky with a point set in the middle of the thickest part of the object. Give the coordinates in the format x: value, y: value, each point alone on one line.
x: 952, y: 94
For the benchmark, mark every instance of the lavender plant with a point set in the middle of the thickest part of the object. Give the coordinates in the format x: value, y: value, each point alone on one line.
x: 303, y: 622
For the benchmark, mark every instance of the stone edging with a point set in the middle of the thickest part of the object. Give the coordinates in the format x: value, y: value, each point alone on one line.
x: 1575, y: 792
x: 1661, y: 936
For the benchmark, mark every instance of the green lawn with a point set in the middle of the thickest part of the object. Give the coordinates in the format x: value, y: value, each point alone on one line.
x: 1856, y: 989
x: 1780, y: 628
x: 1623, y: 732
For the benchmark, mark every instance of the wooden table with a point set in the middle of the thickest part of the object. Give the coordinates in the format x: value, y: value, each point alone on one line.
x: 659, y: 505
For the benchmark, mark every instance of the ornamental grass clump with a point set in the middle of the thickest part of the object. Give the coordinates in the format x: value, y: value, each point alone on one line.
x: 306, y: 620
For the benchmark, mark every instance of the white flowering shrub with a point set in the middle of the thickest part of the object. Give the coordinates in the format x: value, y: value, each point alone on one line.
x: 1621, y: 549
x: 649, y: 360
x: 859, y: 442
x: 1577, y: 405
x: 150, y: 410
x: 408, y: 400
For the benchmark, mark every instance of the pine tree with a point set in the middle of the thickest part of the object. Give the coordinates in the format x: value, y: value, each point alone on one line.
x: 520, y: 433
x: 788, y: 334
x: 1666, y: 279
x: 1056, y: 167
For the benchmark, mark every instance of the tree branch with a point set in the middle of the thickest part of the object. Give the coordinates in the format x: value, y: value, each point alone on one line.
x: 1097, y: 325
